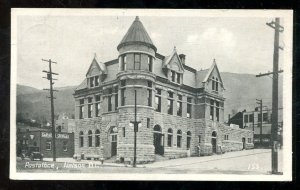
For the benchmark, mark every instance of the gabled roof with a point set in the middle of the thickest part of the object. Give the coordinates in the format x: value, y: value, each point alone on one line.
x: 101, y: 67
x: 214, y: 65
x: 167, y: 60
x: 136, y: 34
x: 83, y: 85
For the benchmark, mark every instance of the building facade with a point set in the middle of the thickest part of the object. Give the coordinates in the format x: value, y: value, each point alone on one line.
x: 41, y: 141
x: 181, y: 110
x: 251, y: 120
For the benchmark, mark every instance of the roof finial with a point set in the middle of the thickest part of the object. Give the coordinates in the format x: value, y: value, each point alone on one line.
x: 214, y: 60
x: 174, y: 48
x: 137, y: 18
x: 95, y: 55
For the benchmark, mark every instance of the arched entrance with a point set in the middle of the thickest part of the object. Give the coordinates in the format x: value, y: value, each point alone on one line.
x: 244, y: 142
x: 158, y: 140
x: 214, y: 141
x: 113, y: 139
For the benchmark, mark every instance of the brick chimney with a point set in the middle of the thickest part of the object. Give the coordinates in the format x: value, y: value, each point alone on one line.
x: 182, y: 58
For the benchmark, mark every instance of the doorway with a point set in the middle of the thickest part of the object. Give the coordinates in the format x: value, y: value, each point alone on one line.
x: 114, y: 140
x: 158, y: 140
x: 214, y: 142
x: 244, y: 142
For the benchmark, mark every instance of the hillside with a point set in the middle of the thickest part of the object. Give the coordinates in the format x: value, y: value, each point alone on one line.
x: 241, y: 92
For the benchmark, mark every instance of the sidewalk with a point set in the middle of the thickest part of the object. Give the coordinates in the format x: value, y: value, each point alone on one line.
x: 202, y: 159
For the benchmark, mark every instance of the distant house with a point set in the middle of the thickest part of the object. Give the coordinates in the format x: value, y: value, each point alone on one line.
x: 64, y: 124
x: 251, y: 120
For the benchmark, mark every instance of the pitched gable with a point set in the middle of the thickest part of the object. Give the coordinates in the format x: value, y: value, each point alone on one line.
x: 94, y: 69
x: 173, y: 62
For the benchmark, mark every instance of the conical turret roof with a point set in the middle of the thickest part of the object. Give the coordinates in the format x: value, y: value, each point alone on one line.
x: 136, y: 34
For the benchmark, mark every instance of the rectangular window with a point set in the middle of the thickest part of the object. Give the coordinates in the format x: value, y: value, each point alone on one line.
x: 124, y: 132
x: 149, y: 97
x: 189, y: 108
x: 158, y: 103
x: 251, y: 118
x: 259, y: 117
x: 199, y: 138
x: 97, y: 105
x: 92, y: 82
x: 65, y: 147
x: 148, y: 122
x: 170, y: 106
x: 137, y: 61
x: 123, y: 63
x: 246, y: 119
x: 150, y: 63
x: 265, y: 117
x: 81, y: 108
x: 217, y: 111
x: 149, y: 84
x: 211, y: 110
x: 179, y: 108
x: 158, y: 91
x: 173, y: 76
x: 178, y: 78
x: 116, y: 97
x: 109, y: 104
x: 122, y: 96
x: 90, y: 107
x: 96, y: 80
x: 48, y: 145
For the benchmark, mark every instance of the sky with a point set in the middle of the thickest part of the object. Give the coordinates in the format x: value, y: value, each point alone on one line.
x: 239, y: 45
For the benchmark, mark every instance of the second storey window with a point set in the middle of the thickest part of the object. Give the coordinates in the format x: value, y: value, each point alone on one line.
x: 189, y: 108
x: 81, y: 108
x: 116, y: 97
x: 122, y: 96
x: 179, y: 105
x: 90, y: 107
x: 170, y: 103
x: 92, y: 82
x: 158, y: 100
x: 137, y: 61
x: 97, y: 81
x: 217, y: 111
x: 211, y: 110
x: 246, y: 119
x: 97, y: 105
x: 109, y: 99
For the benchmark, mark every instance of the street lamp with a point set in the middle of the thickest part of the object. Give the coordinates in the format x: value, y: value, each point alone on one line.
x: 136, y: 124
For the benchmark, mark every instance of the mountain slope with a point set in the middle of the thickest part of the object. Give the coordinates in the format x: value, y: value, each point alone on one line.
x: 241, y: 92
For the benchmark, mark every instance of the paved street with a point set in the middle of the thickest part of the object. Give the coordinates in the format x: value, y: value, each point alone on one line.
x: 256, y: 161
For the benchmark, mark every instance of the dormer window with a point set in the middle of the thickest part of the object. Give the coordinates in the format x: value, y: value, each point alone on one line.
x: 213, y: 83
x: 173, y: 76
x: 217, y: 84
x: 178, y: 78
x: 96, y: 80
x: 92, y: 82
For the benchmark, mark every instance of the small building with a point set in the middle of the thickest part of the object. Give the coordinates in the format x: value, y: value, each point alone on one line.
x: 251, y: 120
x: 41, y: 141
x: 64, y: 123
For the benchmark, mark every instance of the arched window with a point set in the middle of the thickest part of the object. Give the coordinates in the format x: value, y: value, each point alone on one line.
x: 188, y: 139
x: 81, y: 139
x: 97, y: 138
x: 90, y: 137
x: 170, y: 137
x: 217, y: 84
x: 179, y: 137
x: 213, y: 83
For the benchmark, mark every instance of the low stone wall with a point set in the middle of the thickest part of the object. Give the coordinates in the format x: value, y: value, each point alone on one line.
x: 172, y: 153
x: 145, y: 153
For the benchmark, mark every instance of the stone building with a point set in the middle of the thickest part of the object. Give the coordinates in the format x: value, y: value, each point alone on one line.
x: 181, y: 110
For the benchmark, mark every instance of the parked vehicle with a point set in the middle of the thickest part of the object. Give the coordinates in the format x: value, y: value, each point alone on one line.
x: 36, y: 155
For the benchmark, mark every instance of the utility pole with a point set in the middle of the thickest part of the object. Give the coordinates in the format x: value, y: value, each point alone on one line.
x: 259, y: 101
x: 135, y: 124
x: 50, y: 78
x: 274, y: 130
